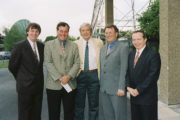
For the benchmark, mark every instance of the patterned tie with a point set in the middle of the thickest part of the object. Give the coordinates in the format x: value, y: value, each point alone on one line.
x: 62, y: 47
x: 86, y: 58
x: 136, y: 58
x: 34, y: 50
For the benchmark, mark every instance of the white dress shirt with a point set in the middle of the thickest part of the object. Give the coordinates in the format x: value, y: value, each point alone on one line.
x: 92, y: 55
x: 32, y: 46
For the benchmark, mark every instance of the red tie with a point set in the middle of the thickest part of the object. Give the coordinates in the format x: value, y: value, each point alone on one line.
x: 136, y: 58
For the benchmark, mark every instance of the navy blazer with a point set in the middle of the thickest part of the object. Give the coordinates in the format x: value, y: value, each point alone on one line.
x: 25, y: 68
x: 144, y: 76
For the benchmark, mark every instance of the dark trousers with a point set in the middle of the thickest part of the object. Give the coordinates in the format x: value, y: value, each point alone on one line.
x: 87, y: 82
x: 54, y: 98
x: 29, y: 106
x: 144, y: 112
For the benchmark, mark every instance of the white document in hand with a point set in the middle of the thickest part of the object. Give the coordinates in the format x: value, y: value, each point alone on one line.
x: 67, y: 87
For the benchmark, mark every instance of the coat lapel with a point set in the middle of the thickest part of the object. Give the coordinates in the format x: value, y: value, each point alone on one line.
x: 97, y: 50
x: 40, y: 52
x: 141, y: 60
x: 113, y: 48
x: 30, y: 52
x: 57, y: 47
x: 80, y: 47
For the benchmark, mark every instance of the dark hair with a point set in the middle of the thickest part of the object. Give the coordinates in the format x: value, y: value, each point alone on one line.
x: 114, y: 27
x: 141, y: 31
x: 33, y: 26
x: 64, y: 24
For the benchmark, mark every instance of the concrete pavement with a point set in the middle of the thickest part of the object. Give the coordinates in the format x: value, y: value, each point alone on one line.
x: 171, y: 112
x: 8, y: 100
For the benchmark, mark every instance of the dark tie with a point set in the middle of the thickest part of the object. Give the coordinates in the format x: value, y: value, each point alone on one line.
x: 86, y: 58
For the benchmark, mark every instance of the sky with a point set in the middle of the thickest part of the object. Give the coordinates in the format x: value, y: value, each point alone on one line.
x: 48, y: 13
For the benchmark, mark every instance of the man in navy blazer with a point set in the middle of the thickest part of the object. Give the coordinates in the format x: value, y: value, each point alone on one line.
x: 142, y: 76
x: 26, y: 65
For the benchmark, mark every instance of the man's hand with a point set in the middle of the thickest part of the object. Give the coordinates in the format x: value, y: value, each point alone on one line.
x: 65, y: 79
x: 133, y: 92
x: 120, y: 92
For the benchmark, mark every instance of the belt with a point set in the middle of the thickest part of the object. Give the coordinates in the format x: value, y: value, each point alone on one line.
x: 94, y: 70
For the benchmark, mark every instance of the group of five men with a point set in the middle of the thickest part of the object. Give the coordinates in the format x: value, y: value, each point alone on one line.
x: 86, y: 66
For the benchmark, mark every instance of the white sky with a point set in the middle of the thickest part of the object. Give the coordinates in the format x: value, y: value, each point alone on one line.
x: 49, y: 12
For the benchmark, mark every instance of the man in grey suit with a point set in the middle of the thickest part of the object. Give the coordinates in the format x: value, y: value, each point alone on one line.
x: 63, y: 63
x: 113, y: 66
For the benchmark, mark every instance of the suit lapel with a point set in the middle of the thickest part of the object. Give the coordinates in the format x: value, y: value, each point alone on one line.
x: 40, y: 50
x: 80, y: 47
x: 96, y: 47
x: 66, y: 49
x: 30, y: 52
x: 57, y: 47
x: 141, y: 59
x: 113, y: 48
x: 132, y: 59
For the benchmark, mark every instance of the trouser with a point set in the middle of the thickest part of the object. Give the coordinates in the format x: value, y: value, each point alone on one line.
x: 54, y: 98
x: 87, y: 83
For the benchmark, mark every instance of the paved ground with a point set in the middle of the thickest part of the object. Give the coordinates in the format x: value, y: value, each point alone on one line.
x: 8, y: 102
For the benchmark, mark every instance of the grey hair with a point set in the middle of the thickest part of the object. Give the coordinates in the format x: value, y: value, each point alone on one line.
x: 87, y: 25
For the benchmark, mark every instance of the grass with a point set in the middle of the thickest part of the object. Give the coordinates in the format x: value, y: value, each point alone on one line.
x: 4, y: 63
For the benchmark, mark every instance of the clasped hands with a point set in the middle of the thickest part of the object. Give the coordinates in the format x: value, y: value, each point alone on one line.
x: 120, y: 92
x: 64, y: 79
x: 133, y: 92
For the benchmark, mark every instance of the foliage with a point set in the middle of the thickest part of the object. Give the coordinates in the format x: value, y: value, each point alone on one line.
x: 71, y: 38
x: 125, y: 34
x: 48, y: 38
x: 149, y: 22
x: 15, y: 34
x: 4, y: 63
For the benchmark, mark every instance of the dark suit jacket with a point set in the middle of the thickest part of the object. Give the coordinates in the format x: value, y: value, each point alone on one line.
x: 27, y: 71
x: 144, y: 76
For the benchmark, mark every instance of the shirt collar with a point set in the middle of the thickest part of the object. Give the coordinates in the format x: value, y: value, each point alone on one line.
x: 112, y: 44
x: 31, y: 42
x: 141, y: 50
x: 64, y: 42
x: 84, y: 41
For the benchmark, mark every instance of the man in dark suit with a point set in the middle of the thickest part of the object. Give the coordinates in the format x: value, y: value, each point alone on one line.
x: 142, y: 76
x: 26, y: 65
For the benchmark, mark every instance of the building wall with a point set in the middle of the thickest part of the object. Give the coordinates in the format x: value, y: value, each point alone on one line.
x: 170, y: 51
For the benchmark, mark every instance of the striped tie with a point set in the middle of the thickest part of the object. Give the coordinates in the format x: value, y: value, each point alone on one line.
x: 136, y: 58
x: 34, y: 50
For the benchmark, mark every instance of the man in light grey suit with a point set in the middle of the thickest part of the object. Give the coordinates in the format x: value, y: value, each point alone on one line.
x: 113, y: 66
x: 63, y: 63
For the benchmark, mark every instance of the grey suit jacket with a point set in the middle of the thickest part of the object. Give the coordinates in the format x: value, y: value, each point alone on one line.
x: 59, y: 64
x: 113, y: 67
